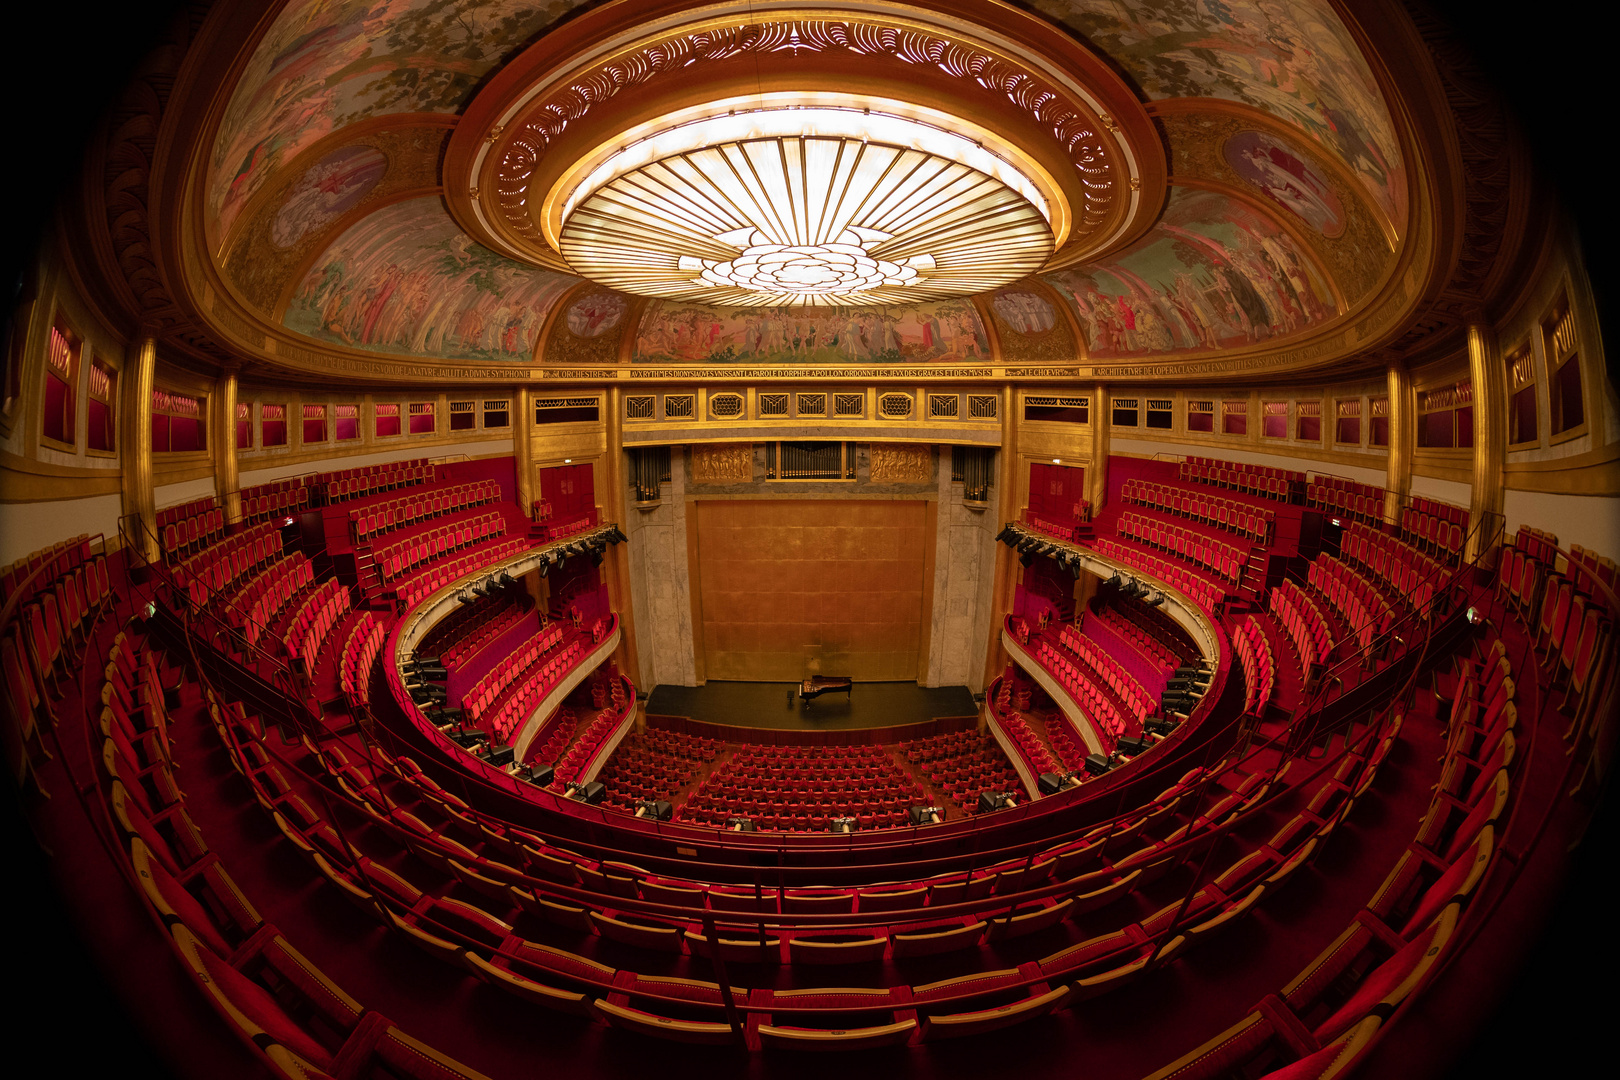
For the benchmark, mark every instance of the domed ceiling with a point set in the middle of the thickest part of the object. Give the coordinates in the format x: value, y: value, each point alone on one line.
x: 757, y: 186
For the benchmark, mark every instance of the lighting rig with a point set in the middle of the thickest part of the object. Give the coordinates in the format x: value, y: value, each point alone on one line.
x: 997, y: 800
x: 1051, y: 783
x: 926, y: 815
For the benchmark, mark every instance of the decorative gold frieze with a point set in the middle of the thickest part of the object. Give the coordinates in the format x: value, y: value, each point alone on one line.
x: 901, y: 463
x: 722, y: 463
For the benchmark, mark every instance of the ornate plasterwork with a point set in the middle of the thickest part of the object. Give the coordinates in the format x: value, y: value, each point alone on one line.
x: 721, y: 463
x: 900, y: 463
x: 1091, y: 144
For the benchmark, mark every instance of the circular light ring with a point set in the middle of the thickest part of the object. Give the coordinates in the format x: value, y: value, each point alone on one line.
x: 805, y: 218
x: 816, y: 113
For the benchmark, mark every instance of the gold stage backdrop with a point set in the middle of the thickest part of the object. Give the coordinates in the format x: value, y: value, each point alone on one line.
x: 789, y: 589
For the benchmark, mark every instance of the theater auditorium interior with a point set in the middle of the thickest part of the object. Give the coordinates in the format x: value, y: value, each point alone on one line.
x: 936, y: 539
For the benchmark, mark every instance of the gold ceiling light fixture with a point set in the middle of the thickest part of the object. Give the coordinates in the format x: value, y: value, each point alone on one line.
x: 822, y: 202
x: 840, y: 153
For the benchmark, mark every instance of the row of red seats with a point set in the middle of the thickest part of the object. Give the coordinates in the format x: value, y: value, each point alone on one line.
x: 1132, y: 694
x: 265, y: 594
x: 59, y: 592
x: 1059, y: 529
x: 425, y: 583
x: 371, y: 522
x: 1224, y: 560
x: 1201, y: 591
x: 571, y: 527
x: 314, y: 620
x: 368, y: 480
x: 407, y: 555
x: 1077, y: 679
x: 1303, y: 622
x: 501, y: 712
x: 1437, y: 533
x: 188, y: 529
x: 1227, y: 514
x: 277, y: 499
x: 1262, y: 480
x: 1409, y: 572
x: 1346, y: 498
x: 215, y: 567
x: 577, y: 758
x: 360, y: 650
x: 484, y: 623
x: 537, y: 645
x: 1355, y: 598
x: 1259, y: 668
x: 1030, y: 746
x: 1144, y: 640
x: 1575, y: 628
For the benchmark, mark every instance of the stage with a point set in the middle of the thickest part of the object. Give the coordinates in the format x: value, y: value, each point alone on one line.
x: 765, y: 705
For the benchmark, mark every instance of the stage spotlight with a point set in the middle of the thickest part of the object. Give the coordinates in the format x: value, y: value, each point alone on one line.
x: 926, y: 815
x: 1155, y: 600
x: 996, y: 800
x: 538, y: 775
x: 545, y: 567
x: 740, y: 824
x: 1006, y: 535
x: 465, y: 599
x: 657, y: 809
x: 841, y: 825
x: 1131, y: 745
x: 1052, y: 783
x: 1158, y: 725
x: 1098, y: 764
x: 499, y: 756
x: 591, y: 792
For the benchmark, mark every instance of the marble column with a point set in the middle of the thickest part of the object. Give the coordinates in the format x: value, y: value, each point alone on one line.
x: 1005, y: 573
x: 139, y: 498
x: 611, y: 484
x: 226, y: 477
x: 1490, y: 442
x: 1402, y: 441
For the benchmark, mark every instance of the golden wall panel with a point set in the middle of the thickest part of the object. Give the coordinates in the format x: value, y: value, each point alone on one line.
x: 795, y: 588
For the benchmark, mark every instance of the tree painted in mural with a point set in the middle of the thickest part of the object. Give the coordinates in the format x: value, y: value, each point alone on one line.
x: 407, y: 280
x: 1212, y: 274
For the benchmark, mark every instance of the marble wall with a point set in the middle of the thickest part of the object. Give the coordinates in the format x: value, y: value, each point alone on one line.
x: 964, y: 573
x: 660, y: 583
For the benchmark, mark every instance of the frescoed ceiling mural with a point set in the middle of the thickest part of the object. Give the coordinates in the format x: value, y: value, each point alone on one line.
x: 1286, y: 203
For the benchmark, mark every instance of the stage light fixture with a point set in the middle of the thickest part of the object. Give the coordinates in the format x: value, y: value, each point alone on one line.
x: 841, y: 825
x: 990, y: 801
x: 1098, y: 764
x: 590, y: 792
x: 538, y: 775
x: 926, y: 815
x: 657, y: 809
x: 1052, y: 783
x: 465, y: 599
x: 1131, y: 745
x: 740, y: 824
x: 1006, y: 535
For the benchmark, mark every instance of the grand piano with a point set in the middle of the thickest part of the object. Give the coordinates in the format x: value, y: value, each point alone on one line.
x: 816, y: 685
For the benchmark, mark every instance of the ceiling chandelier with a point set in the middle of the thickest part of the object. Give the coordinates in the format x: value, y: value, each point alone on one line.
x: 795, y: 205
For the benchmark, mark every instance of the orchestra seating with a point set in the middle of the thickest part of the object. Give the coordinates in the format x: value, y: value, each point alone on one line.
x: 800, y: 789
x: 655, y: 764
x: 960, y: 765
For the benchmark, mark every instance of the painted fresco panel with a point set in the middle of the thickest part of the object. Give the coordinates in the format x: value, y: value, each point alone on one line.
x: 940, y: 332
x: 407, y: 280
x: 1293, y: 58
x: 327, y: 190
x: 325, y: 64
x: 1213, y: 274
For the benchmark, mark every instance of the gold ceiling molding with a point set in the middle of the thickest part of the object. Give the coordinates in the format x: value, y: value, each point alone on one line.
x: 721, y: 463
x: 582, y: 87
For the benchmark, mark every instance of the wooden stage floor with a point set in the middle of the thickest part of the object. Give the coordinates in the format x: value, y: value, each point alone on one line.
x: 766, y: 705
